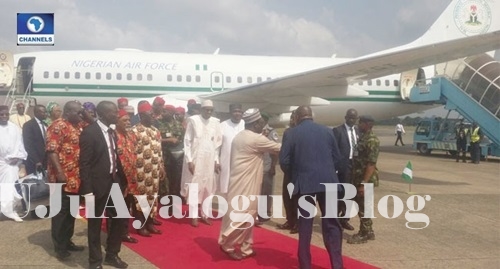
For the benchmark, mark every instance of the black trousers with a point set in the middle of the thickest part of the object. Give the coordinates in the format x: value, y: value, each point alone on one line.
x: 63, y: 225
x: 475, y: 152
x: 115, y: 231
x: 344, y: 175
x: 290, y: 204
x: 399, y: 138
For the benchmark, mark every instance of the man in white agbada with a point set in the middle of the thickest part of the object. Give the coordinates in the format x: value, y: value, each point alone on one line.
x: 202, y: 142
x: 247, y: 158
x: 230, y: 128
x: 12, y: 154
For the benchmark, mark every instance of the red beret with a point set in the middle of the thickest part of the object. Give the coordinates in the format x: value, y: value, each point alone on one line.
x: 180, y: 110
x: 122, y: 100
x: 122, y: 113
x: 169, y: 108
x: 159, y: 100
x: 191, y: 102
x: 144, y: 107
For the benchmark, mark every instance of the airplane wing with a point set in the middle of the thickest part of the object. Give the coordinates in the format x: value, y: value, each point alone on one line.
x: 313, y: 87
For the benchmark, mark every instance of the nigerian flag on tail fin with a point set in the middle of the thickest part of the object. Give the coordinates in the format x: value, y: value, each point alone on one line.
x: 408, y: 173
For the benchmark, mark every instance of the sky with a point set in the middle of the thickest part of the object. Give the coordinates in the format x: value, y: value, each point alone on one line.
x: 319, y: 28
x: 259, y: 27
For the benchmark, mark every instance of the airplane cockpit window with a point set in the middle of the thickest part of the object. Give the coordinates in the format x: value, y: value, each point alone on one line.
x: 149, y: 77
x: 129, y: 76
x: 66, y: 75
x: 179, y: 78
x: 240, y: 79
x: 108, y: 76
x: 139, y: 77
x: 87, y: 75
x: 188, y: 78
x: 98, y: 75
x: 46, y: 74
x: 56, y: 74
x: 118, y: 76
x: 77, y: 75
x: 228, y: 79
x: 197, y: 78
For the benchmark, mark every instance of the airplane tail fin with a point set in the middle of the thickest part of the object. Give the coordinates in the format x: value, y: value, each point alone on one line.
x: 463, y: 18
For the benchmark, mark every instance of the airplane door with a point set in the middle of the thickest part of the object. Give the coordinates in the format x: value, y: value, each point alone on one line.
x: 24, y: 76
x: 409, y: 79
x: 216, y: 81
x: 6, y: 70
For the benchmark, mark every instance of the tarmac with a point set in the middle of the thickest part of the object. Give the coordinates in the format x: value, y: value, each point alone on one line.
x: 464, y: 214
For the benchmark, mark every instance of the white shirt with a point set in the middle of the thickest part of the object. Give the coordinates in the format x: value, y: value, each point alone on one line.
x: 353, y: 136
x: 111, y: 152
x: 400, y: 128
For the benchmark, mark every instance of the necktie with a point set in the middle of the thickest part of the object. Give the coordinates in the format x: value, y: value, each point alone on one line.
x: 113, y: 150
x: 44, y: 131
x: 353, y: 139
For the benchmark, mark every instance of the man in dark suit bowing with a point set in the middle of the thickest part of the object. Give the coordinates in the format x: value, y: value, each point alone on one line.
x: 34, y: 134
x: 310, y: 154
x: 100, y: 168
x: 346, y: 136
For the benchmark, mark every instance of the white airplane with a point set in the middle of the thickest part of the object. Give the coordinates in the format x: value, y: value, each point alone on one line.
x: 371, y: 83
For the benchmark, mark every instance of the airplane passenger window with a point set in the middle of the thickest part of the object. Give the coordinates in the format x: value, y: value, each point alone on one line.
x: 239, y: 79
x: 249, y: 79
x: 77, y: 75
x: 396, y: 82
x: 179, y: 78
x: 139, y: 77
x: 46, y: 74
x: 378, y: 82
x: 259, y: 79
x: 98, y: 75
x: 169, y: 77
x: 228, y: 79
x: 56, y: 74
x: 369, y: 82
x: 360, y: 83
x: 119, y: 76
x: 87, y: 75
x: 216, y: 79
x: 197, y: 78
x: 129, y: 76
x: 268, y: 78
x: 188, y: 78
x: 66, y: 74
x: 149, y: 77
x: 108, y: 76
x: 387, y: 82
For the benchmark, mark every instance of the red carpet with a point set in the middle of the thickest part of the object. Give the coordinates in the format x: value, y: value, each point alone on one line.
x: 183, y: 246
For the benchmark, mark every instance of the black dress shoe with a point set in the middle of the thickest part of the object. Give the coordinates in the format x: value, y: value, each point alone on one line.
x: 115, y: 261
x: 143, y: 232
x: 129, y: 239
x: 294, y: 230
x: 62, y: 255
x: 73, y: 247
x: 347, y: 226
x: 284, y: 226
x: 156, y: 222
x: 152, y: 229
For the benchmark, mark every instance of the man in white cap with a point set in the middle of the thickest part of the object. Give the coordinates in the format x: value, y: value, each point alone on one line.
x: 230, y: 128
x: 247, y: 158
x: 202, y: 142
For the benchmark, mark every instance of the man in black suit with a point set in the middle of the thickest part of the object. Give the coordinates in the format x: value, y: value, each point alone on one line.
x: 34, y: 134
x: 310, y: 154
x: 100, y: 168
x: 347, y: 137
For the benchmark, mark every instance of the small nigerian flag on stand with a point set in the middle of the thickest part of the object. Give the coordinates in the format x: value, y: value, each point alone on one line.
x: 408, y: 174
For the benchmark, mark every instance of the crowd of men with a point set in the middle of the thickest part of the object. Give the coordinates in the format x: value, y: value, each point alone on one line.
x: 161, y: 149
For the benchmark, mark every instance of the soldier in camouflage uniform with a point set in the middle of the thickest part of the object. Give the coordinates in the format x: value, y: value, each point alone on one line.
x: 365, y: 171
x: 172, y: 138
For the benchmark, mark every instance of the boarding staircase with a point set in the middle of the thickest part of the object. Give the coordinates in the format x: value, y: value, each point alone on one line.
x: 14, y: 96
x: 471, y: 86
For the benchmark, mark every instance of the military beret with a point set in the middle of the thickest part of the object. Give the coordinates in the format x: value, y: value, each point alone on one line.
x: 366, y: 118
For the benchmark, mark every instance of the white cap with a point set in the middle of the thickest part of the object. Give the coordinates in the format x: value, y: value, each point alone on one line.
x: 207, y: 103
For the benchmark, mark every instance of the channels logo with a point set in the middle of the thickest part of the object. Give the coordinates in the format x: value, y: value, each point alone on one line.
x: 35, y: 29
